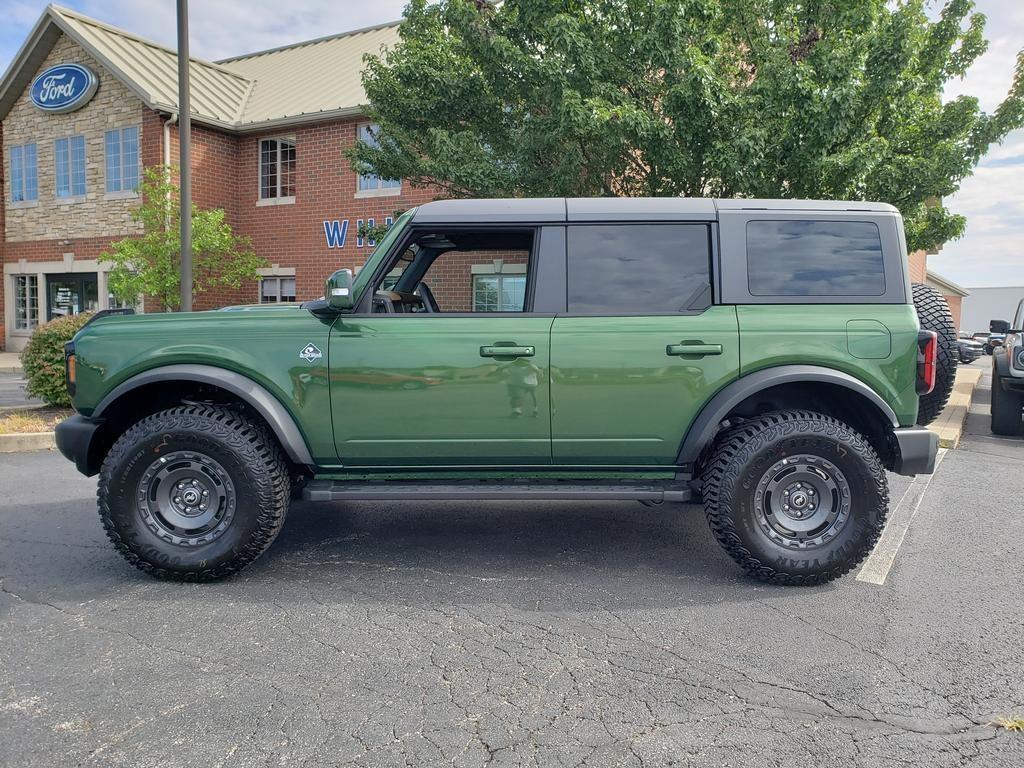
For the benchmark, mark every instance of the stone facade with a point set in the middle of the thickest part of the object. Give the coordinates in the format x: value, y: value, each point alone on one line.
x: 97, y: 214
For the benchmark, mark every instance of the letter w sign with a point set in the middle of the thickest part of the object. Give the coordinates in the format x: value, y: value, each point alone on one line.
x: 336, y: 231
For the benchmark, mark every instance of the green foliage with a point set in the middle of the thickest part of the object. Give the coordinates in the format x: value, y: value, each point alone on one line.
x: 150, y: 265
x: 834, y: 99
x: 43, y: 359
x: 377, y: 231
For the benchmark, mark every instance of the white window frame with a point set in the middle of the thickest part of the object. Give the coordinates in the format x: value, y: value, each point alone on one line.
x: 19, y: 151
x: 31, y: 322
x: 277, y: 279
x: 122, y: 191
x: 278, y: 199
x: 71, y: 196
x: 500, y: 270
x: 394, y: 188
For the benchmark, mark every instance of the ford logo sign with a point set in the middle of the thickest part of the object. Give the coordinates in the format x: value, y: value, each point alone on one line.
x: 64, y: 88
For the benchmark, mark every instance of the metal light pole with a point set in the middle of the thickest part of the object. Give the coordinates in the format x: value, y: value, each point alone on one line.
x: 185, y: 157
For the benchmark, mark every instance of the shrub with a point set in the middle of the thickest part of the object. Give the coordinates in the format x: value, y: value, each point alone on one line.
x: 43, y: 359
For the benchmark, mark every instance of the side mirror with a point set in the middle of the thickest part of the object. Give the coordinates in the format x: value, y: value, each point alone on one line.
x: 998, y: 326
x: 338, y: 290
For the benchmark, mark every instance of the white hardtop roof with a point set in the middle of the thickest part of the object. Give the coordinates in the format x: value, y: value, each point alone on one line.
x: 555, y: 209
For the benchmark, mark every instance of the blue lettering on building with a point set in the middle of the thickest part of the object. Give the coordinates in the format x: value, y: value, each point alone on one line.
x: 63, y: 88
x: 336, y: 231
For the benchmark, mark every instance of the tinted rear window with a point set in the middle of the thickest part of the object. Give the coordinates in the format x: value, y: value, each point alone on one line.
x: 638, y: 268
x: 814, y: 258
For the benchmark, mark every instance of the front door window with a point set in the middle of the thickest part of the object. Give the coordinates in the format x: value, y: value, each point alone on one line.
x: 71, y: 294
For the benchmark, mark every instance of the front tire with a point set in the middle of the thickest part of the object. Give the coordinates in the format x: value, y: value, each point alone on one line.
x: 194, y: 493
x: 795, y: 497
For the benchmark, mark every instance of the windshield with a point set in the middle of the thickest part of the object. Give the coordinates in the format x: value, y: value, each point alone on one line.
x: 382, y: 248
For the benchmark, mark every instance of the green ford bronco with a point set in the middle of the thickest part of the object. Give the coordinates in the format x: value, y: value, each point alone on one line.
x: 764, y: 357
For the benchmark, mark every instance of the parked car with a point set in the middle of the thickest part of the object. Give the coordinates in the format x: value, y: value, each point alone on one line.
x: 1008, y: 375
x: 989, y: 341
x: 592, y: 349
x: 969, y: 350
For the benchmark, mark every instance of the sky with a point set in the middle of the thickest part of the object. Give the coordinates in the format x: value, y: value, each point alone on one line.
x: 990, y: 253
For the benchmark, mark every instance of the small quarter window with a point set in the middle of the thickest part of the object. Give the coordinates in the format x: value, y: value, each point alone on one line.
x: 814, y: 258
x: 638, y: 268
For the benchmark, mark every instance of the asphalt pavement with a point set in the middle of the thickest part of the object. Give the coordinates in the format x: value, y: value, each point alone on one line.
x: 471, y: 634
x: 12, y: 391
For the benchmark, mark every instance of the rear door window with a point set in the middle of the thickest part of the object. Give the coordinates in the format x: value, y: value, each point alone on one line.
x: 638, y: 268
x: 814, y: 258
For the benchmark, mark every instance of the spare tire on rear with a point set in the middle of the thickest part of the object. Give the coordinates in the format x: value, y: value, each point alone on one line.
x: 934, y: 315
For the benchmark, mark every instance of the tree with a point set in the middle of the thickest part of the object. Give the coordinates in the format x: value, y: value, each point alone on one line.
x: 150, y: 265
x: 836, y: 99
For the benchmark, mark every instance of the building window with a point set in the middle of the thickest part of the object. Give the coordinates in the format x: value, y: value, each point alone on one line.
x: 369, y: 182
x: 70, y: 156
x: 277, y: 289
x: 24, y: 176
x: 277, y: 169
x: 26, y: 302
x: 122, y: 153
x: 499, y: 293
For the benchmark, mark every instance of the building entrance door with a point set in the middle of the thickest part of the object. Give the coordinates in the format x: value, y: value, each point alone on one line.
x: 71, y: 294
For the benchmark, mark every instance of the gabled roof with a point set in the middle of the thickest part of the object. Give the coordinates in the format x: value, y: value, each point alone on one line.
x: 944, y: 283
x: 312, y: 79
x: 274, y: 87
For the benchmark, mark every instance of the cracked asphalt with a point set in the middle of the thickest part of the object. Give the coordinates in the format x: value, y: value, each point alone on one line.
x: 512, y: 634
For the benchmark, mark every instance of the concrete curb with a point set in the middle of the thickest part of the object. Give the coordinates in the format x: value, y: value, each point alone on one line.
x: 27, y: 441
x: 11, y: 369
x: 950, y: 423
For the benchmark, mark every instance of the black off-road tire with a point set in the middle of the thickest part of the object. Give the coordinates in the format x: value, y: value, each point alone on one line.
x: 934, y: 315
x: 233, y: 456
x: 1006, y: 408
x: 756, y: 452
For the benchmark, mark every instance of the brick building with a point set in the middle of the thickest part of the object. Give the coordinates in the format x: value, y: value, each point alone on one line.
x: 270, y: 135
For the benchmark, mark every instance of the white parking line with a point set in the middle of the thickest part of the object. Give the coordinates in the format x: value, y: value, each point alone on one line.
x: 876, y: 568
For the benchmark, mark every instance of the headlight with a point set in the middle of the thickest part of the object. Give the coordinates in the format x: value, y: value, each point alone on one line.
x: 1018, y: 358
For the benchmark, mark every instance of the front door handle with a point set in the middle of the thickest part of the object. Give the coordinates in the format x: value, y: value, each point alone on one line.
x: 509, y: 351
x: 692, y: 349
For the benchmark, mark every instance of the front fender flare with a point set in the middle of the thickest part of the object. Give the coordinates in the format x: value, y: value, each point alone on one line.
x: 705, y: 426
x: 262, y: 401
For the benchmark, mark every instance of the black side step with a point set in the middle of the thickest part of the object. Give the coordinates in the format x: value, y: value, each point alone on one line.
x: 336, y: 490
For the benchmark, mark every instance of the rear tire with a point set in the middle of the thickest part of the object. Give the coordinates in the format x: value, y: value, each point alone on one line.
x: 934, y: 315
x: 194, y: 493
x: 795, y: 497
x: 1006, y: 408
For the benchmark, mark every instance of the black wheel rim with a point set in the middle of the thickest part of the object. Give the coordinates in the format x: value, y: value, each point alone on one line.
x: 186, y: 498
x: 802, y: 501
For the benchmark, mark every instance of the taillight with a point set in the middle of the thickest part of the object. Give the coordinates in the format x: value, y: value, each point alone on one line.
x: 70, y: 372
x: 927, y: 351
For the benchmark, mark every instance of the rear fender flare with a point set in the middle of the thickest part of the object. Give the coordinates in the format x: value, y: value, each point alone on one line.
x: 256, y: 396
x: 705, y: 426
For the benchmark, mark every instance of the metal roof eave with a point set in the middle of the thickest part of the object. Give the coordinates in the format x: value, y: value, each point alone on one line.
x: 304, y: 119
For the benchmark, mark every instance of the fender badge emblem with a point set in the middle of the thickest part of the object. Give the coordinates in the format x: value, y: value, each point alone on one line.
x: 310, y: 352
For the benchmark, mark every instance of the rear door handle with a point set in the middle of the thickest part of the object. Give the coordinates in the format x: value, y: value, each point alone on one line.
x: 692, y: 349
x: 509, y: 351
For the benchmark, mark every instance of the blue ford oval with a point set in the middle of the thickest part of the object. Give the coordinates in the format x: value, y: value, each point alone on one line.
x: 63, y: 88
